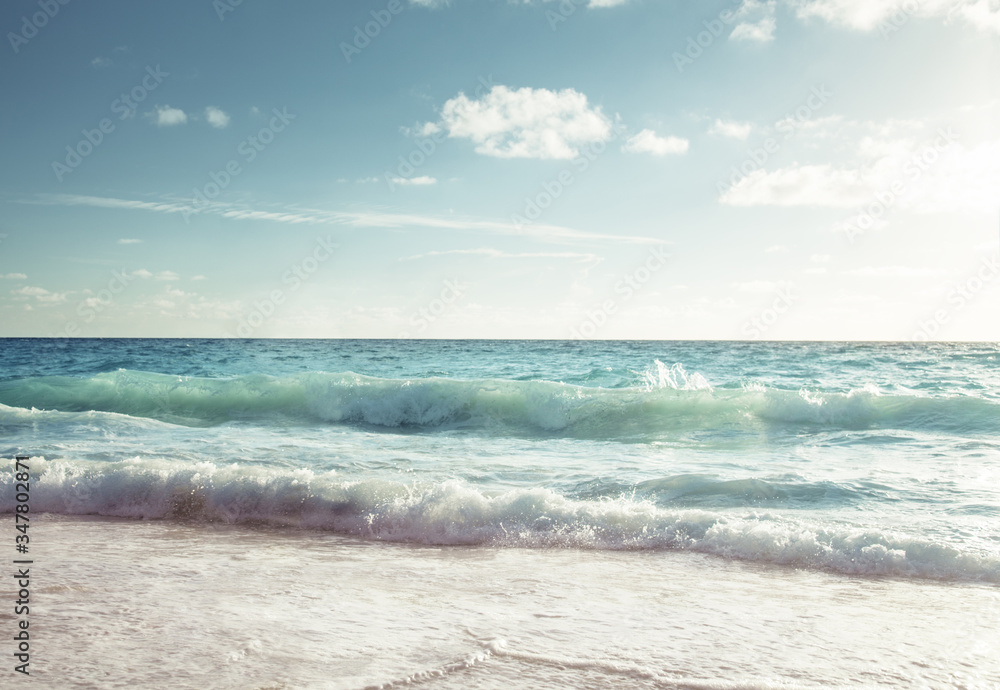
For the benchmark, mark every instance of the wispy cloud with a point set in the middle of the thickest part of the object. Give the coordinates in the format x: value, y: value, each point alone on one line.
x: 40, y: 294
x: 421, y: 181
x: 499, y: 254
x: 367, y: 219
x: 128, y: 241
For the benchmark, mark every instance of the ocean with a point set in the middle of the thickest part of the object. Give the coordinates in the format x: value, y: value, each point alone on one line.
x: 496, y: 514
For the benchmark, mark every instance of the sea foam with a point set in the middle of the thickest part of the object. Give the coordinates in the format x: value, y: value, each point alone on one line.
x: 456, y: 513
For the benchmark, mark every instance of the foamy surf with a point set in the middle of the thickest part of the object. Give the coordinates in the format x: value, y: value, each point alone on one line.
x: 456, y: 513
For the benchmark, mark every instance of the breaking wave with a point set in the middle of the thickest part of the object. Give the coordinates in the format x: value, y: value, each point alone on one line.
x: 456, y: 513
x: 664, y: 399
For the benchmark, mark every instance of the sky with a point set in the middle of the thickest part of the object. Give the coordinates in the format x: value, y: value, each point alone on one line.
x: 641, y: 169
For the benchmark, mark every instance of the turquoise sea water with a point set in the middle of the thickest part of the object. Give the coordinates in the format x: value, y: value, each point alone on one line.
x: 875, y: 459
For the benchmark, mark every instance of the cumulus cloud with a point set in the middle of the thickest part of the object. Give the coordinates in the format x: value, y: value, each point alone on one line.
x: 526, y: 122
x: 165, y: 116
x: 14, y: 276
x: 755, y: 21
x: 761, y: 31
x: 731, y: 129
x: 647, y: 141
x: 216, y: 117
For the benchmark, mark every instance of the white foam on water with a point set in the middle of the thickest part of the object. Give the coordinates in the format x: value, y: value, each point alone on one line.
x: 455, y: 513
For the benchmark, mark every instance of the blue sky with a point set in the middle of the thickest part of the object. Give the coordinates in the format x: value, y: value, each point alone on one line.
x: 792, y: 169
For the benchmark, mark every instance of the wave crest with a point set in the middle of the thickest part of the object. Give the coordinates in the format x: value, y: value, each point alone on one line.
x: 670, y: 400
x: 453, y: 512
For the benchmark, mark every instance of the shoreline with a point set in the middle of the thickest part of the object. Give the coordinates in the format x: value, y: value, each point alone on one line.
x: 149, y: 603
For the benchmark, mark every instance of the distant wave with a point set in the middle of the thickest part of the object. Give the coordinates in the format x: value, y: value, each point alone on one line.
x: 669, y: 399
x: 453, y: 512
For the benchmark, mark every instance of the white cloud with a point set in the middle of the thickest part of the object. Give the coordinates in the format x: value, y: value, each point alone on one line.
x: 756, y: 21
x: 14, y: 276
x: 420, y: 181
x: 142, y: 273
x: 216, y: 117
x: 167, y: 275
x: 894, y: 165
x: 798, y: 185
x: 647, y: 141
x: 165, y: 116
x: 776, y: 249
x: 40, y: 294
x: 526, y: 122
x: 428, y: 129
x: 731, y: 129
x: 762, y: 31
x: 128, y: 241
x: 895, y: 272
x: 499, y: 254
x: 887, y: 15
x: 101, y: 62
